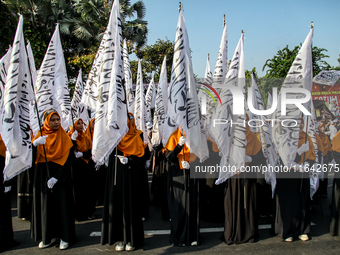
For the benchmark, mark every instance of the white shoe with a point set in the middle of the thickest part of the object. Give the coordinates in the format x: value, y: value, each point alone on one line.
x: 289, y: 239
x: 43, y: 246
x: 120, y: 246
x: 194, y: 243
x: 303, y: 237
x: 63, y: 245
x: 128, y: 247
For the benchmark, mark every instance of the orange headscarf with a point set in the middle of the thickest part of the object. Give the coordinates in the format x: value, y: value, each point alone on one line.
x: 172, y: 143
x: 325, y: 141
x: 336, y: 143
x: 88, y: 130
x: 132, y: 143
x: 2, y: 147
x: 253, y: 141
x: 310, y: 154
x: 84, y: 142
x: 58, y: 143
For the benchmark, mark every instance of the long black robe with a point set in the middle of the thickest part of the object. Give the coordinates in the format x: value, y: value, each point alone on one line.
x: 145, y: 192
x: 25, y: 193
x: 335, y: 211
x: 240, y: 206
x: 53, y: 210
x: 6, y: 228
x: 122, y: 217
x: 292, y: 204
x: 159, y: 181
x: 212, y: 195
x: 182, y: 202
x: 83, y: 176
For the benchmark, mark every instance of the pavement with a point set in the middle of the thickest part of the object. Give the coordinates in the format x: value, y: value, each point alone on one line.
x: 157, y: 237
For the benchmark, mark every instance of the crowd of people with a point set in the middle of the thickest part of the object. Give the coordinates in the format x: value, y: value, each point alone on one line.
x: 59, y: 189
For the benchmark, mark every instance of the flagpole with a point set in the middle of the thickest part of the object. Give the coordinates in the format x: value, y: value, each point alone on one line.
x: 304, y: 154
x: 36, y: 108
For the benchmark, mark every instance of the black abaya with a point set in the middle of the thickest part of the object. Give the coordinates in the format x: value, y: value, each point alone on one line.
x: 6, y: 229
x: 335, y: 211
x: 53, y: 209
x: 181, y: 201
x: 25, y: 193
x: 83, y: 181
x: 122, y: 217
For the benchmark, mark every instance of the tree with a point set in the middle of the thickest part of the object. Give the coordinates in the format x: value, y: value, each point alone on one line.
x: 82, y: 23
x: 152, y: 58
x: 279, y: 65
x: 8, y: 23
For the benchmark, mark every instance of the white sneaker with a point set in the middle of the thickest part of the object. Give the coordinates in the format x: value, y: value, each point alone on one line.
x: 63, y: 245
x: 128, y: 247
x: 120, y: 246
x: 303, y: 237
x: 43, y: 246
x: 289, y: 239
x: 194, y: 243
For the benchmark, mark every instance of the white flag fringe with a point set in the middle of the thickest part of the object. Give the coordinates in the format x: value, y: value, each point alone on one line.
x: 161, y: 107
x: 111, y: 106
x: 128, y: 80
x: 183, y: 105
x: 15, y: 116
x: 51, y: 88
x: 140, y: 106
x: 231, y: 139
x: 299, y: 76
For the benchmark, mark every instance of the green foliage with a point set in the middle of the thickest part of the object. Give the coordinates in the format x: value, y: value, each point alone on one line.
x: 8, y: 23
x: 152, y: 58
x: 279, y: 65
x: 81, y: 23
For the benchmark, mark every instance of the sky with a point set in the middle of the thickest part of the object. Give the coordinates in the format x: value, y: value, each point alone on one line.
x: 268, y: 25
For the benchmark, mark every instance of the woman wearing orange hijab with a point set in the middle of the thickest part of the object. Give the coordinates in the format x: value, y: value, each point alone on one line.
x: 181, y: 201
x: 327, y: 158
x: 122, y: 219
x: 53, y: 216
x: 292, y: 194
x: 240, y: 197
x: 335, y: 209
x: 83, y: 172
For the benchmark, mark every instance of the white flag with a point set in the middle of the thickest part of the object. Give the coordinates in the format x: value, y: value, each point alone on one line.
x: 128, y: 80
x: 15, y: 117
x: 140, y: 106
x: 51, y: 88
x: 183, y: 105
x: 268, y: 147
x: 161, y: 107
x: 221, y: 67
x: 299, y: 76
x: 231, y: 139
x: 111, y: 109
x: 78, y: 110
x: 150, y: 98
x: 220, y: 72
x: 4, y: 63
